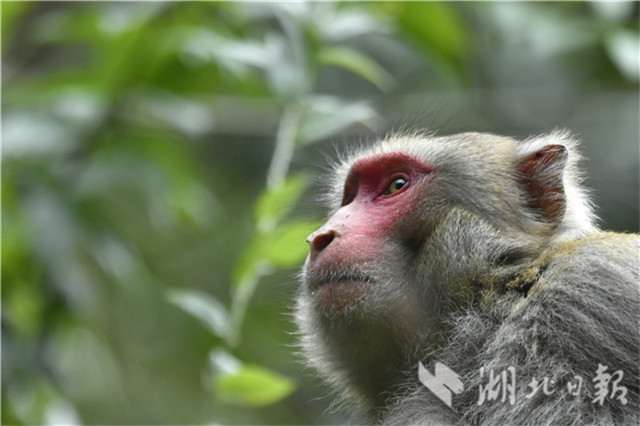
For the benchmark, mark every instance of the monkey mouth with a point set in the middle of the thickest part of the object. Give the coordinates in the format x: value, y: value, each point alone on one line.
x: 315, y: 285
x: 340, y: 294
x: 337, y: 290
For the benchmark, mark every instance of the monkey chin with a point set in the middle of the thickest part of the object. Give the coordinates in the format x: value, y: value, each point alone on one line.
x: 341, y: 295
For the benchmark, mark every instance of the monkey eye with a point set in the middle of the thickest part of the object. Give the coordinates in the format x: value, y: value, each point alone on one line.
x: 396, y: 185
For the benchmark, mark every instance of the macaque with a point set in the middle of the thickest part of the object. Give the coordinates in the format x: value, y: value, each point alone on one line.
x: 472, y: 263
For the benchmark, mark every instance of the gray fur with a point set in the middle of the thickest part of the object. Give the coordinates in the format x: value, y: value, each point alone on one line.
x: 474, y: 278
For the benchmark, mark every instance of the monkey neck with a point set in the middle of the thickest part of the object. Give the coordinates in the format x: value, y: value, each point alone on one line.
x: 373, y: 359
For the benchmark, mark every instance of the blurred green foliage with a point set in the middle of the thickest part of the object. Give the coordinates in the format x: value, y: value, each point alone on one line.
x: 156, y: 176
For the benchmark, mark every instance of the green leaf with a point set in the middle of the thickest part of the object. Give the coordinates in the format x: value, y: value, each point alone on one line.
x: 326, y: 116
x: 209, y: 46
x: 436, y: 26
x: 223, y: 363
x: 192, y: 201
x: 253, y: 386
x: 287, y: 247
x: 24, y: 308
x: 284, y: 247
x: 346, y: 23
x: 357, y: 63
x: 251, y: 263
x: 203, y: 307
x: 12, y: 11
x: 273, y: 204
x: 623, y: 47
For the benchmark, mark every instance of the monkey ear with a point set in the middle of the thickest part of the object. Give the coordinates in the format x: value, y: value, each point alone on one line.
x: 540, y: 176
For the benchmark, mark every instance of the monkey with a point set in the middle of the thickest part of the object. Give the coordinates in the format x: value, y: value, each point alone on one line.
x: 481, y: 255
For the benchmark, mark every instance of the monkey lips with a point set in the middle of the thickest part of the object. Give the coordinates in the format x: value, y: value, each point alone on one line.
x: 335, y: 290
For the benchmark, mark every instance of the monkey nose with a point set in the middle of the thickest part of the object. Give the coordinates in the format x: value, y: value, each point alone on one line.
x: 320, y: 239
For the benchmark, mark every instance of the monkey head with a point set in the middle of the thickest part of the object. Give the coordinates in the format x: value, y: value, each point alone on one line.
x: 415, y: 223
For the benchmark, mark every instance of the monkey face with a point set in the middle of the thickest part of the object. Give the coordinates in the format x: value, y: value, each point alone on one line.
x: 344, y: 271
x: 379, y: 278
x: 383, y: 260
x: 359, y: 304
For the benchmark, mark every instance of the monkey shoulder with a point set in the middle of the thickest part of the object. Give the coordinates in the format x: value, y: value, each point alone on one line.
x: 604, y: 264
x: 585, y: 304
x: 579, y: 316
x: 589, y: 281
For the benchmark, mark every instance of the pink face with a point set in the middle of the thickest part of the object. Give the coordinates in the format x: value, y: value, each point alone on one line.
x: 379, y: 191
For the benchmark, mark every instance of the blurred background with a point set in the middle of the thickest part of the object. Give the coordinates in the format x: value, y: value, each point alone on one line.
x: 161, y: 161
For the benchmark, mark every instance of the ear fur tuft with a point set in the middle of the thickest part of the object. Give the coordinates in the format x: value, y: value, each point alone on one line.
x: 540, y: 176
x: 551, y: 180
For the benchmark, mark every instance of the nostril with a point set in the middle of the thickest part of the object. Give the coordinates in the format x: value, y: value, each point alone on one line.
x: 321, y: 241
